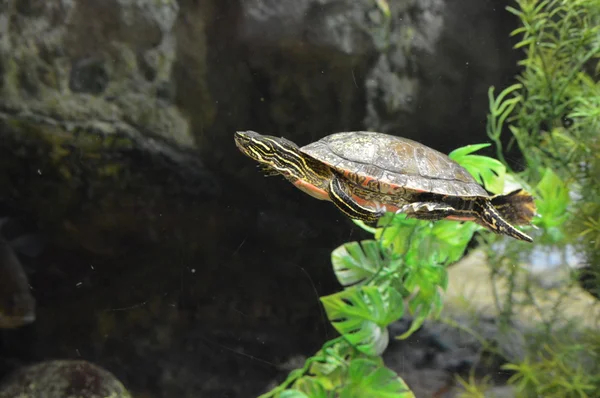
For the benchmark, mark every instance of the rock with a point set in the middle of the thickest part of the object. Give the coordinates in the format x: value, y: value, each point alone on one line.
x: 339, y: 27
x: 62, y: 379
x: 431, y: 81
x: 98, y: 167
x: 313, y: 67
x: 88, y: 60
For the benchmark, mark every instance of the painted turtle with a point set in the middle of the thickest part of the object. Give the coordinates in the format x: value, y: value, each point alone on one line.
x: 366, y: 174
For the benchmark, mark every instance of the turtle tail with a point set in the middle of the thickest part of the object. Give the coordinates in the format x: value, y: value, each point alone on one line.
x: 491, y: 218
x: 516, y: 207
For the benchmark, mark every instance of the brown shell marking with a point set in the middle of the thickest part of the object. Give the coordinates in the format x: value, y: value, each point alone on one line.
x: 391, y: 165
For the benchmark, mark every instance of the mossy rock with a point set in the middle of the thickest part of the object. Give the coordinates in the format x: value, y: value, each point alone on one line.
x: 62, y: 379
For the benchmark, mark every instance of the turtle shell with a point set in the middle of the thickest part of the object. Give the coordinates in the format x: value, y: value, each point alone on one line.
x: 382, y: 162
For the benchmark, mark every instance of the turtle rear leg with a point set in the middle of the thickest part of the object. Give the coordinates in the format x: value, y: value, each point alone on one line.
x: 489, y: 217
x: 431, y: 211
x: 350, y: 207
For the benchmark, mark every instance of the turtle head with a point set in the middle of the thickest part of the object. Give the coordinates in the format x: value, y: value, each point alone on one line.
x: 278, y: 155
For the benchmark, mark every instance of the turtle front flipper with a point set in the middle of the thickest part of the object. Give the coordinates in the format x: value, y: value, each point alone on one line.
x: 432, y: 211
x: 489, y: 217
x: 350, y: 207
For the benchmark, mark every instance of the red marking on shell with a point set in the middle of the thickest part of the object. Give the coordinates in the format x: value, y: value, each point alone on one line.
x: 366, y: 181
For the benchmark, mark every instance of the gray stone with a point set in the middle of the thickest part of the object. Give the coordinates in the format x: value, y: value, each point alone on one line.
x: 92, y: 60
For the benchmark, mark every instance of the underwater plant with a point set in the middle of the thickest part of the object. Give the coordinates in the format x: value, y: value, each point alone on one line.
x: 552, y: 115
x: 553, y: 112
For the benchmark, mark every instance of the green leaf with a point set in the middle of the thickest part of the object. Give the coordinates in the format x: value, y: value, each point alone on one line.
x: 332, y: 363
x: 427, y: 282
x: 364, y: 226
x: 361, y: 314
x: 427, y: 248
x: 311, y: 387
x: 553, y: 200
x: 384, y: 8
x: 354, y: 263
x: 293, y: 394
x: 422, y: 306
x: 461, y: 152
x: 487, y: 171
x: 427, y: 277
x: 396, y: 232
x: 367, y: 378
x: 424, y: 242
x: 420, y: 314
x: 450, y: 239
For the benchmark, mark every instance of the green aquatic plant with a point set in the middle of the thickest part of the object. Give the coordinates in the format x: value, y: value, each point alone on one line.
x: 558, y: 369
x: 473, y: 388
x: 552, y: 114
